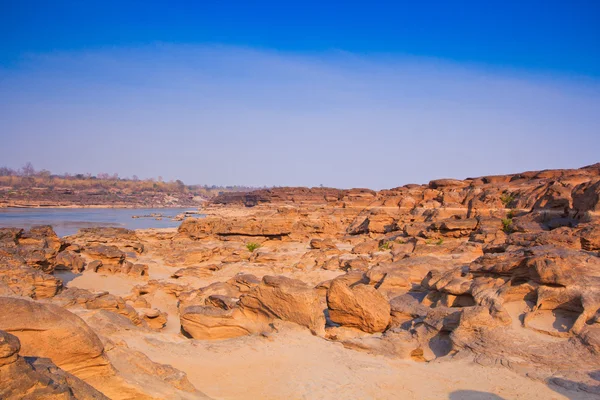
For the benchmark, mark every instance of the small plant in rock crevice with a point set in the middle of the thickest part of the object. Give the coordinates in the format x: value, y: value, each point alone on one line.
x: 384, y: 246
x: 440, y: 242
x: 507, y: 225
x: 506, y: 199
x: 252, y: 246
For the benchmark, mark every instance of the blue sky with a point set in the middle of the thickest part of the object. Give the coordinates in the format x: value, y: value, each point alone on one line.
x: 373, y: 94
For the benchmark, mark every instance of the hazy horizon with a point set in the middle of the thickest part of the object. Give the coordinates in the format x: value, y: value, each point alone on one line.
x: 338, y: 111
x: 18, y: 171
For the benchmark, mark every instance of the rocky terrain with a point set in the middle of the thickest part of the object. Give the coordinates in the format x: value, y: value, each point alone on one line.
x: 483, y: 288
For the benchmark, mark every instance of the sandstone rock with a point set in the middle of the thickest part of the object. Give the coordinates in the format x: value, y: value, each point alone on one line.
x: 37, y: 377
x: 405, y: 309
x: 496, y: 179
x: 368, y: 246
x: 196, y: 272
x: 377, y: 221
x: 9, y: 236
x: 110, y: 256
x: 350, y: 278
x: 192, y: 256
x: 404, y: 274
x: 455, y: 227
x: 268, y: 227
x: 70, y: 261
x: 198, y: 297
x: 586, y: 197
x: 590, y: 238
x: 109, y: 259
x: 244, y: 282
x: 446, y: 183
x: 154, y: 318
x: 562, y: 237
x: 331, y: 264
x: 360, y: 306
x: 354, y: 264
x: 149, y: 379
x: 132, y: 269
x: 287, y: 299
x: 36, y: 247
x: 75, y: 297
x: 29, y: 282
x: 125, y: 239
x: 94, y: 265
x: 47, y: 330
x: 263, y: 255
x: 153, y: 286
x: 322, y: 244
x: 316, y: 258
x: 210, y: 323
x: 557, y: 196
x: 220, y: 301
x: 395, y: 343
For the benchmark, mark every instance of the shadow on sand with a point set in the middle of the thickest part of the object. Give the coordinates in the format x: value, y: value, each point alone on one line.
x: 473, y: 395
x: 576, y: 390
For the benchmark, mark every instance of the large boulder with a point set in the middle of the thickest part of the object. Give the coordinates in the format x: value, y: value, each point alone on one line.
x: 109, y: 259
x: 287, y: 299
x: 110, y: 256
x: 36, y: 247
x: 405, y: 274
x: 69, y: 260
x: 47, y: 330
x: 23, y: 280
x: 37, y: 378
x: 359, y: 306
x: 125, y: 239
x: 210, y: 323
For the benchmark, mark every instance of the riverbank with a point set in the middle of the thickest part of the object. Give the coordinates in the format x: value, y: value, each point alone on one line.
x: 68, y: 220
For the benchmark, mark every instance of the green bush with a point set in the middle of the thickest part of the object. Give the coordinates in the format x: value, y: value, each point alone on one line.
x: 507, y: 225
x: 384, y: 246
x: 507, y: 199
x: 440, y: 242
x: 252, y: 246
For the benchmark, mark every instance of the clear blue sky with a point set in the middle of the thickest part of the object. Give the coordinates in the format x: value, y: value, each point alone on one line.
x: 256, y: 89
x: 548, y: 35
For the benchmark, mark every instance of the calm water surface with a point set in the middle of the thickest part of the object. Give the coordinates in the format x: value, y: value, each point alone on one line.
x: 67, y: 221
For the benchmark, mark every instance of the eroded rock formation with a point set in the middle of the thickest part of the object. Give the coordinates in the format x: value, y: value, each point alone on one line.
x: 496, y: 270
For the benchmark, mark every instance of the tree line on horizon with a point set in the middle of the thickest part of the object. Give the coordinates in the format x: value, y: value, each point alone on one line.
x: 28, y: 177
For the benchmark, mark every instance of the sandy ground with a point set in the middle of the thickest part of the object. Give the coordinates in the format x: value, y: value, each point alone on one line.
x: 293, y: 364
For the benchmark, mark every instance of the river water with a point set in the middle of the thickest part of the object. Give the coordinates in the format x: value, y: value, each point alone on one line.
x: 67, y: 221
